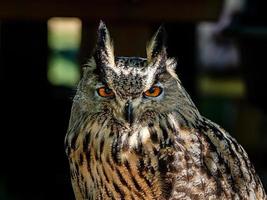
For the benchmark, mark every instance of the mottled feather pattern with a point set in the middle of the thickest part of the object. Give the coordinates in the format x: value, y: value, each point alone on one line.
x: 168, y: 151
x: 177, y: 162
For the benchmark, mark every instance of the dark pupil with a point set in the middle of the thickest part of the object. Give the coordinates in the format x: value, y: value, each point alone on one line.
x: 152, y: 90
x: 107, y: 90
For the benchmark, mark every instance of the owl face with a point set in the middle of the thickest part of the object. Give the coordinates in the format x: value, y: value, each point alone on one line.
x: 129, y: 88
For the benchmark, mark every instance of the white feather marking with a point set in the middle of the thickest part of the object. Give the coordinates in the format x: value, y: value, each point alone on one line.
x: 171, y: 65
x: 150, y: 77
x: 133, y: 140
x: 123, y: 138
x: 145, y: 135
x: 173, y: 121
x: 114, y: 68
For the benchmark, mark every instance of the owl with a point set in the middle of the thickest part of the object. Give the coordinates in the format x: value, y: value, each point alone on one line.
x: 134, y: 133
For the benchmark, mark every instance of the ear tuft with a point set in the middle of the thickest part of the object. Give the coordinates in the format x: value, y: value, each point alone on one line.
x: 104, y: 51
x: 157, y: 45
x: 103, y: 37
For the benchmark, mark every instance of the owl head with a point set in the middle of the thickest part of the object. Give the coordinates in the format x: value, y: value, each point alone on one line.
x: 130, y: 88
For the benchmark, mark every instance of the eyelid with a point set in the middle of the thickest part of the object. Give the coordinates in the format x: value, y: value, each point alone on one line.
x: 99, y: 85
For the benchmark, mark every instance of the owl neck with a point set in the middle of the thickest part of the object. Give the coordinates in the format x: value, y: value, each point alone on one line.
x: 186, y: 112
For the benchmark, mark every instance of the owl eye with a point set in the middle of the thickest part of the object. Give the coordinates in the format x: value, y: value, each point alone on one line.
x: 154, y: 91
x: 105, y: 92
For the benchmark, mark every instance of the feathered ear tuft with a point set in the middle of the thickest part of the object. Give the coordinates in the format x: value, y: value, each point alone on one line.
x: 104, y: 51
x: 157, y: 45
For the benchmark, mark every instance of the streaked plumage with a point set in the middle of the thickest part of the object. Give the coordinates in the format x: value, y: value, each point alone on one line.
x: 129, y: 145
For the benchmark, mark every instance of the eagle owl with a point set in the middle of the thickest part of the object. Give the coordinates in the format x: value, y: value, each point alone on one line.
x: 134, y: 133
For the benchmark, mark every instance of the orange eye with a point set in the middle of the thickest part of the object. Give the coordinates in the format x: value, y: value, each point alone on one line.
x: 154, y: 91
x: 105, y: 92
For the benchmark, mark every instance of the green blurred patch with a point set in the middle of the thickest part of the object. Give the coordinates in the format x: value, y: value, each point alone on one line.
x: 62, y: 71
x: 64, y: 33
x: 225, y: 87
x: 64, y: 38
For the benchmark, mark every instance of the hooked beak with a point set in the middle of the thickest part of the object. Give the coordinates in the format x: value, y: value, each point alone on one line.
x: 128, y: 112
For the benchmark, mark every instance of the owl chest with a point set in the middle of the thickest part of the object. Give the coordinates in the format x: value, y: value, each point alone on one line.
x: 125, y: 167
x: 137, y: 166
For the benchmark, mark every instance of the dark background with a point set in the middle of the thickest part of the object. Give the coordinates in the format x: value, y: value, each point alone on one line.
x: 35, y: 113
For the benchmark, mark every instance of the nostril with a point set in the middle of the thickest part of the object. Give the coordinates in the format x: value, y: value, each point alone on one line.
x: 128, y: 112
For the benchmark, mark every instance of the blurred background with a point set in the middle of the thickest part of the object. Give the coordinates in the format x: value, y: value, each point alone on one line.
x: 221, y: 50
